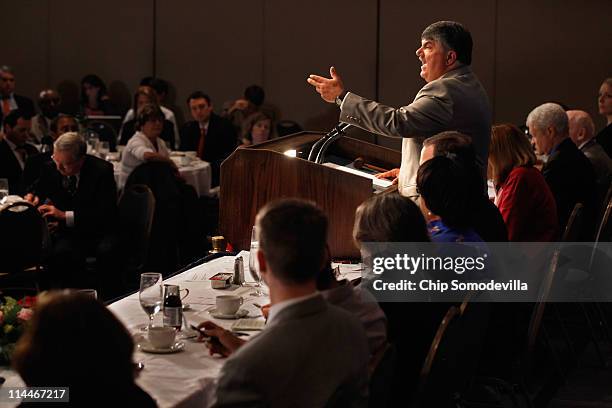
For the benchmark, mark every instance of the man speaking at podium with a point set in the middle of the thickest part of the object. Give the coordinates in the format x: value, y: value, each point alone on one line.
x: 452, y: 99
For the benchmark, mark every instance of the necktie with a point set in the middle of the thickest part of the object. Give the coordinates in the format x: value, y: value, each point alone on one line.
x: 201, y: 143
x: 6, y: 107
x: 23, y: 154
x: 70, y: 184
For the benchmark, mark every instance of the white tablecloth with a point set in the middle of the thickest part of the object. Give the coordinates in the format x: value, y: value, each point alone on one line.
x: 188, y: 378
x: 197, y: 174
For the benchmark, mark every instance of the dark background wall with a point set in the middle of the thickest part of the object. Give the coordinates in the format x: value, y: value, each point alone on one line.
x: 526, y: 51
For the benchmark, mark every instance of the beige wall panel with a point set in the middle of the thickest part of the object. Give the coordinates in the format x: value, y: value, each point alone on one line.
x: 551, y: 50
x: 112, y: 39
x: 212, y: 46
x: 308, y: 37
x: 402, y: 23
x: 24, y: 28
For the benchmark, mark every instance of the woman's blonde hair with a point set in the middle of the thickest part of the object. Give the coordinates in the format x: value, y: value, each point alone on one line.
x: 509, y: 148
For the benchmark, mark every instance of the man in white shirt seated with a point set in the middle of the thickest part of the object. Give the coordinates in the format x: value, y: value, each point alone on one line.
x: 311, y: 353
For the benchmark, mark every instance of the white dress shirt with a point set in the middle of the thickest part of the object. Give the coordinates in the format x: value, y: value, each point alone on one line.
x: 133, y: 154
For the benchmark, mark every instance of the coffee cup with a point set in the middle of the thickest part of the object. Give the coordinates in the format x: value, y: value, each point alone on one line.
x: 162, y: 337
x: 228, y: 304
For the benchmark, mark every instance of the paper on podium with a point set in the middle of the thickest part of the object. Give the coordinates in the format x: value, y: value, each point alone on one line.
x: 378, y: 184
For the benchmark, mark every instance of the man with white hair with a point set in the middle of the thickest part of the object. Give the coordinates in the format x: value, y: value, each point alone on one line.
x: 567, y: 171
x: 79, y: 200
x: 582, y: 133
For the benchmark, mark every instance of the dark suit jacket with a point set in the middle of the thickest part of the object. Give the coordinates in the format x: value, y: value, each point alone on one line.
x: 10, y: 168
x: 94, y: 203
x: 571, y: 179
x: 33, y: 169
x: 220, y: 142
x: 312, y: 354
x: 25, y: 104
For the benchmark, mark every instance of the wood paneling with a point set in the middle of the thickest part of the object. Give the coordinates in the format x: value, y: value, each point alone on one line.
x: 303, y: 38
x: 24, y: 29
x: 551, y: 50
x: 111, y: 39
x: 212, y: 46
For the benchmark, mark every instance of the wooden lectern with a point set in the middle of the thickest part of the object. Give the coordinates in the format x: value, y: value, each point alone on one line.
x: 255, y: 175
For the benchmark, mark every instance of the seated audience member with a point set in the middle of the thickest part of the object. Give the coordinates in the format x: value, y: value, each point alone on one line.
x: 144, y: 96
x: 237, y: 111
x: 35, y: 164
x: 48, y: 103
x: 15, y: 150
x: 604, y: 103
x: 94, y: 97
x: 444, y: 186
x: 56, y: 351
x: 359, y: 303
x: 10, y: 100
x: 488, y: 223
x: 567, y: 171
x: 78, y: 199
x: 159, y: 89
x: 311, y: 353
x: 411, y: 326
x: 257, y: 128
x: 582, y: 133
x: 523, y: 197
x: 146, y: 144
x: 210, y: 135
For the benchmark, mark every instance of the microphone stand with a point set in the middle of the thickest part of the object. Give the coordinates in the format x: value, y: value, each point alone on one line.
x: 339, y: 132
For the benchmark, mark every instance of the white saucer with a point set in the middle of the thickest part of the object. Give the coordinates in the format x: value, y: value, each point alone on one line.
x: 147, y: 347
x: 238, y: 315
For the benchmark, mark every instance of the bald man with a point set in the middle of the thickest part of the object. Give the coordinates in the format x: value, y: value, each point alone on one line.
x: 582, y: 133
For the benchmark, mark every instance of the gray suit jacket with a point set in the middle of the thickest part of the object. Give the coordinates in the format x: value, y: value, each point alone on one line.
x: 312, y: 355
x: 455, y: 101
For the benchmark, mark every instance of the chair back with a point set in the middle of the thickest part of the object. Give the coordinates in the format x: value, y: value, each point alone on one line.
x: 535, y: 323
x: 439, y: 366
x: 604, y: 232
x: 24, y: 233
x: 136, y: 209
x: 573, y: 228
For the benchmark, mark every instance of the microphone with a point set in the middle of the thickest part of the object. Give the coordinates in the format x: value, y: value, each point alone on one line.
x: 314, y: 150
x: 339, y: 132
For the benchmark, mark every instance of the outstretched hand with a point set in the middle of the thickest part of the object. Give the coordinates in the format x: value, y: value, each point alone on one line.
x: 329, y: 88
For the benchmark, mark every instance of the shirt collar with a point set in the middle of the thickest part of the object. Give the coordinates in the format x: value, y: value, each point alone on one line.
x: 278, y: 307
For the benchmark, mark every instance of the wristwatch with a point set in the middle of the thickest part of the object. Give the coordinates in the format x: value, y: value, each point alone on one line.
x: 340, y: 98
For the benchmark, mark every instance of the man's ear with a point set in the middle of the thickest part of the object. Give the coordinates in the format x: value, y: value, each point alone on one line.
x: 451, y: 57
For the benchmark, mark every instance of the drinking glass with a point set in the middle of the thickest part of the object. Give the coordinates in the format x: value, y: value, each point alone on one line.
x: 254, y: 265
x: 4, y: 189
x: 150, y: 294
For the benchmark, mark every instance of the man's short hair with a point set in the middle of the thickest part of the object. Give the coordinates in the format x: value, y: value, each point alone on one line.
x: 549, y: 115
x: 159, y: 85
x: 12, y: 118
x: 293, y: 237
x: 198, y: 95
x: 460, y: 148
x: 6, y: 69
x: 450, y: 141
x: 73, y: 143
x: 55, y: 121
x: 148, y: 112
x: 255, y: 94
x: 453, y: 36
